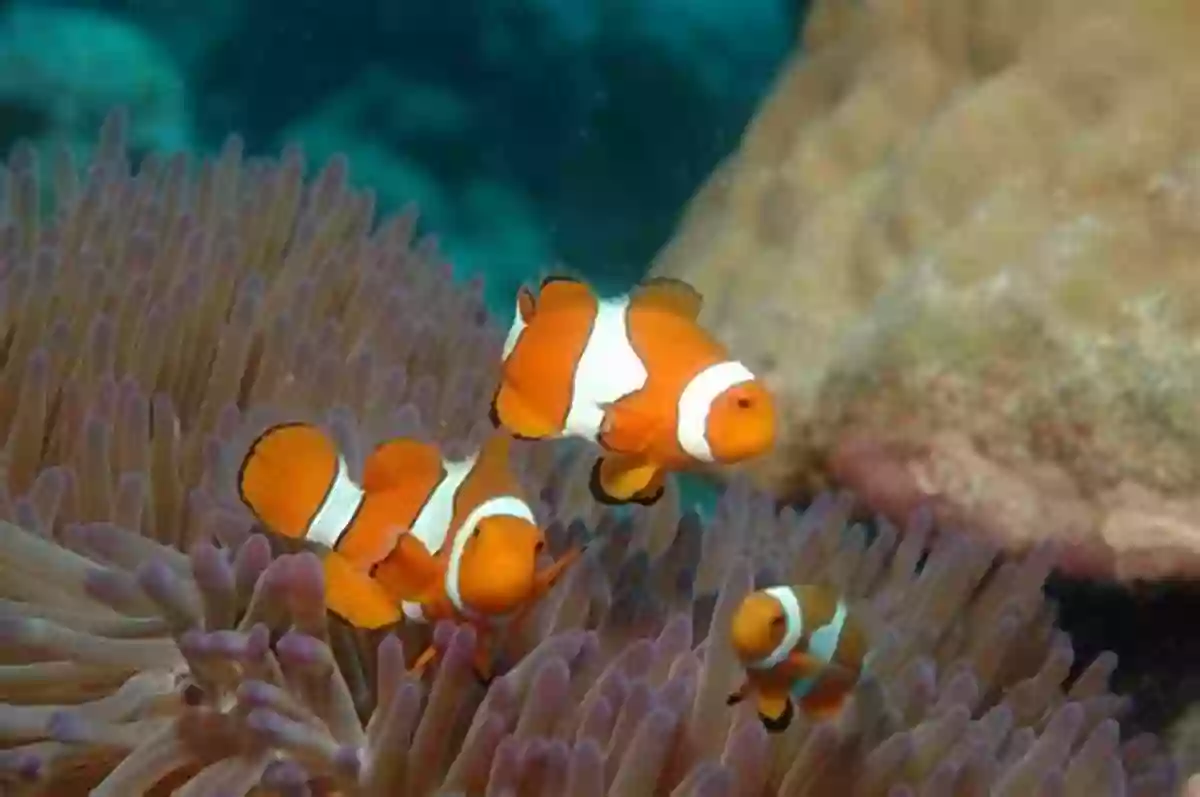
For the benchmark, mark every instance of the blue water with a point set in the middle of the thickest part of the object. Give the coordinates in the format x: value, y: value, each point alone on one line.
x: 532, y: 134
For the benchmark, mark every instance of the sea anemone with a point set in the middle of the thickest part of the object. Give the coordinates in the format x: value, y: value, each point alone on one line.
x: 155, y: 641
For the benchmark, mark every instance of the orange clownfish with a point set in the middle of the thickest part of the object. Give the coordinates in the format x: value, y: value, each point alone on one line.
x: 798, y: 645
x: 636, y: 374
x: 421, y: 537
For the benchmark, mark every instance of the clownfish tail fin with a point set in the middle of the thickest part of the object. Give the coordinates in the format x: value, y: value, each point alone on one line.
x: 671, y: 294
x: 556, y: 276
x: 286, y: 474
x: 511, y: 413
x: 556, y: 290
x: 529, y: 299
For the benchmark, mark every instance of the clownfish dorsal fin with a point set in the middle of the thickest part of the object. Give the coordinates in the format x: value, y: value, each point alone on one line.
x: 395, y: 461
x: 418, y: 574
x: 671, y: 294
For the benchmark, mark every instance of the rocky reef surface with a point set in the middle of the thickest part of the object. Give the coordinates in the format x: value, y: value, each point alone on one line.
x: 962, y: 238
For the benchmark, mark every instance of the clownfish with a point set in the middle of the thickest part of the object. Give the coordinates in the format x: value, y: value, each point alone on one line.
x: 421, y: 537
x: 636, y: 374
x: 799, y: 645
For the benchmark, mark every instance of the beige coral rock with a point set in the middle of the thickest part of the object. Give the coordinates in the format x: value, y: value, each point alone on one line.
x: 962, y: 238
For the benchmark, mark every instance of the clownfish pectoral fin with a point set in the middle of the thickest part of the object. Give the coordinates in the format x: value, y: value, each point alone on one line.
x: 394, y: 461
x: 510, y: 411
x: 671, y: 294
x: 356, y: 597
x: 426, y: 658
x: 802, y: 665
x: 776, y: 712
x: 630, y: 423
x: 481, y: 661
x: 826, y: 700
x: 621, y: 480
x: 413, y: 574
x: 545, y: 579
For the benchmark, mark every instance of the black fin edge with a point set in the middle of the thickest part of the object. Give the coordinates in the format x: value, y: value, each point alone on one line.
x: 493, y: 413
x: 241, y: 471
x: 782, y: 722
x: 494, y: 418
x: 552, y: 278
x: 602, y: 497
x: 651, y: 499
x: 597, y: 491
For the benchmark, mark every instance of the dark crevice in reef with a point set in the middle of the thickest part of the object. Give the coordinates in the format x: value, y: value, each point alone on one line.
x: 1152, y: 628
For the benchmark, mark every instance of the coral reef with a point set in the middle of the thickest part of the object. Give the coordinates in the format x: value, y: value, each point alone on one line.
x: 62, y: 69
x: 980, y: 219
x: 153, y: 641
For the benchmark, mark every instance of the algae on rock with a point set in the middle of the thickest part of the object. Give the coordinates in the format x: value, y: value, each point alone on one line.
x: 961, y: 240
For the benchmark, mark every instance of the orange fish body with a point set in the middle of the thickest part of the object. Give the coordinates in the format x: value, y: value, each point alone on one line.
x: 799, y: 645
x: 421, y: 536
x: 636, y: 374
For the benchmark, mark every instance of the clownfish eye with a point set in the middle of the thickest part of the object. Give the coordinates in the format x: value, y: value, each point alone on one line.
x: 475, y: 532
x: 744, y: 403
x: 776, y: 623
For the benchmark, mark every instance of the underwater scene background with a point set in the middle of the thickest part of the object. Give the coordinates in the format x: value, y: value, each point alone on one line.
x: 528, y: 132
x: 956, y: 237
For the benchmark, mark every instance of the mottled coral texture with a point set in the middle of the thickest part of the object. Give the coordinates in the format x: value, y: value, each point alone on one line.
x: 961, y: 238
x: 153, y: 641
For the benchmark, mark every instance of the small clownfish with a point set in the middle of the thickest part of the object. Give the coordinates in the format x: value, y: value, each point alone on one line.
x: 421, y: 537
x: 636, y: 374
x: 798, y: 645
